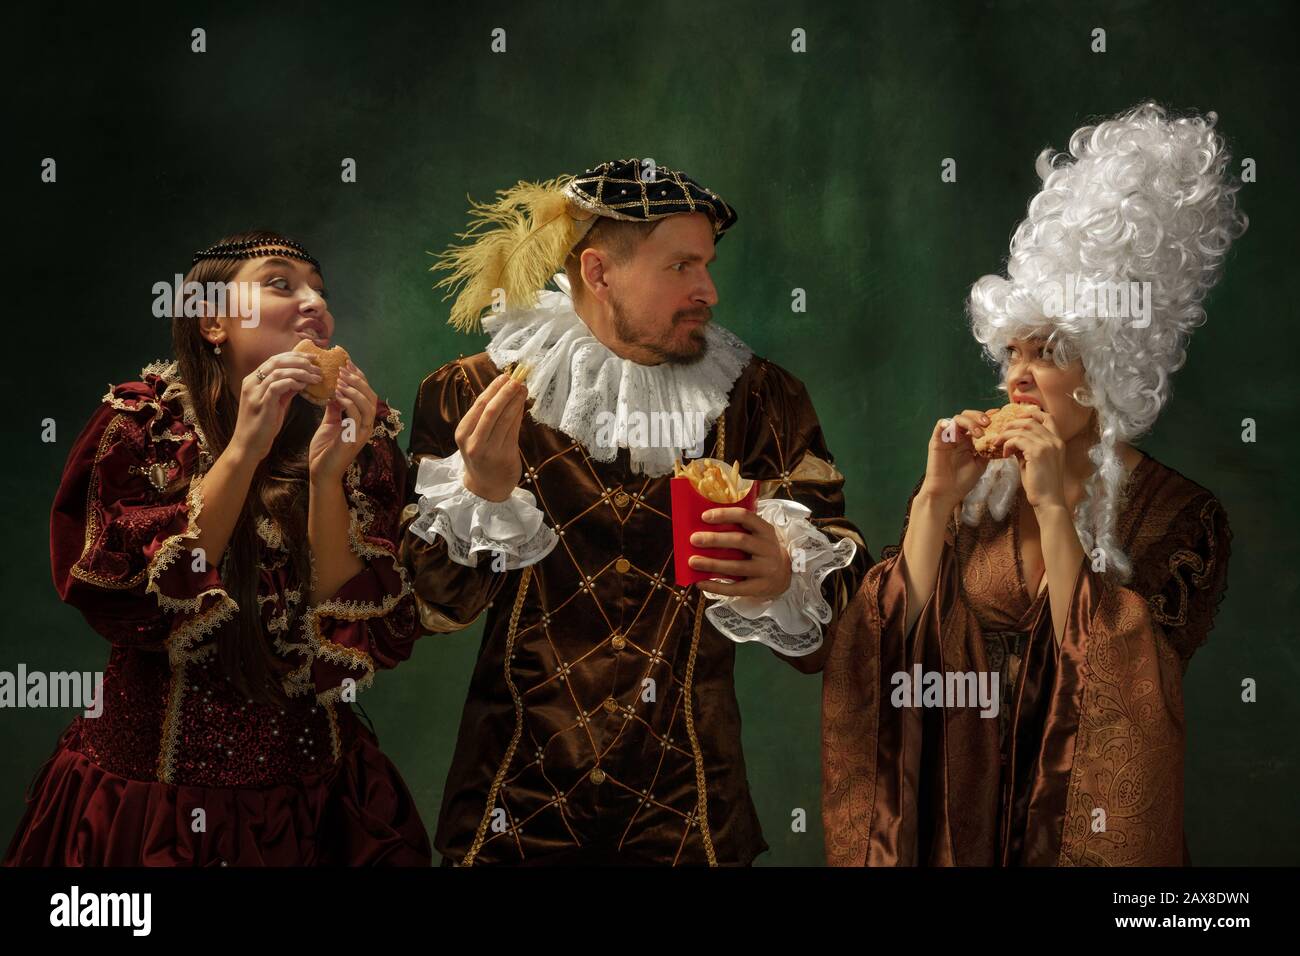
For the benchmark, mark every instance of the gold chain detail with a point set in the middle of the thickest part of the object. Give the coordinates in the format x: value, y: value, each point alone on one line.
x: 481, y: 835
x: 702, y: 801
x: 720, y: 447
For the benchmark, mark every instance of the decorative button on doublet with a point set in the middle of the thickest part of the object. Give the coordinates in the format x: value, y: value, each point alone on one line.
x: 622, y: 565
x: 611, y: 705
x: 621, y: 499
x: 618, y: 642
x: 597, y: 776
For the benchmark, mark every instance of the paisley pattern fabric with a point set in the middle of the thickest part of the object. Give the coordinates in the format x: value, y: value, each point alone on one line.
x: 1085, y: 764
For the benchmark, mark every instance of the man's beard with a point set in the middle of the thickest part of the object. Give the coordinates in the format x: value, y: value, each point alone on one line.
x: 629, y: 332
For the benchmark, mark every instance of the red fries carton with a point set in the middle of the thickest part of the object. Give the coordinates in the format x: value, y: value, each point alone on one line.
x: 689, y: 506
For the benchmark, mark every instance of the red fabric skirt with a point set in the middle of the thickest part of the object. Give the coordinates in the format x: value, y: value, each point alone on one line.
x: 357, y: 813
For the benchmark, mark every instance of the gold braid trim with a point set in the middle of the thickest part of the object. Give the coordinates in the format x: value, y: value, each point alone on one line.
x: 181, y: 642
x: 481, y: 834
x: 171, y: 549
x: 336, y: 743
x: 164, y: 370
x: 171, y: 726
x: 701, y: 788
x: 701, y: 785
x: 176, y: 389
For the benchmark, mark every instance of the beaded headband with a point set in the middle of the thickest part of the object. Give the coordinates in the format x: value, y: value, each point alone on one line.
x: 256, y: 249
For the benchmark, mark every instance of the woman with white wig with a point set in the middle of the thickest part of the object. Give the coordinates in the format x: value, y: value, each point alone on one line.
x: 1006, y: 685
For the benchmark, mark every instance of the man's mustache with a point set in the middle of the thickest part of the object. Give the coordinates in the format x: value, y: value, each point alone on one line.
x: 704, y: 313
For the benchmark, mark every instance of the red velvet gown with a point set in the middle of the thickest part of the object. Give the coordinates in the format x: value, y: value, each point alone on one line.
x: 299, y: 785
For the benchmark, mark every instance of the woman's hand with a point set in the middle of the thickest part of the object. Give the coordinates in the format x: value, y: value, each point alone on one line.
x: 330, y: 453
x: 488, y: 439
x: 264, y: 396
x: 952, y: 468
x: 1040, y: 452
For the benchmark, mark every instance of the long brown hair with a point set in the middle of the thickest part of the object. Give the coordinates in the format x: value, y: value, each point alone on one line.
x: 278, y: 492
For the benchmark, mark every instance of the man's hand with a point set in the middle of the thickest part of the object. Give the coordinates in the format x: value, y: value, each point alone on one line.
x: 766, y: 571
x: 488, y: 439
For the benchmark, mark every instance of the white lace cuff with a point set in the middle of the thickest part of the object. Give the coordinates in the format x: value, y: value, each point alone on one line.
x: 791, y: 623
x: 471, y: 525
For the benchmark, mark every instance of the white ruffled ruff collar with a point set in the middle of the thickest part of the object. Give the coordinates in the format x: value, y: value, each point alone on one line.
x: 583, y: 389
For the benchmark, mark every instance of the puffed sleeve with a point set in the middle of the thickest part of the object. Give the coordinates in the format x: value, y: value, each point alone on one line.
x: 448, y: 529
x: 370, y: 622
x: 1124, y: 652
x: 801, y: 494
x: 122, y: 524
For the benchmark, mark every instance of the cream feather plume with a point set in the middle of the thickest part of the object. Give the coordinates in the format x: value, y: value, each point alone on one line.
x: 514, y: 244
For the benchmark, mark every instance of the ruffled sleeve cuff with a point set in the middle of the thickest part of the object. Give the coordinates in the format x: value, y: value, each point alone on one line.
x: 471, y: 525
x: 187, y: 586
x: 370, y: 622
x: 791, y: 623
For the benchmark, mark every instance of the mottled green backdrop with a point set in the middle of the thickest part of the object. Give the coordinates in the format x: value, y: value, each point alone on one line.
x: 832, y: 158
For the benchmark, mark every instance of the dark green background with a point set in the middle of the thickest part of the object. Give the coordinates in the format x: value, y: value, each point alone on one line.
x: 832, y: 159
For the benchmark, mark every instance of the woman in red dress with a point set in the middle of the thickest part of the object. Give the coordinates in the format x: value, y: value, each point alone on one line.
x: 235, y: 544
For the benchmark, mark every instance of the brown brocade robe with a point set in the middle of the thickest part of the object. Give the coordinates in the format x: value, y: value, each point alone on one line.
x: 555, y: 730
x: 1094, y: 725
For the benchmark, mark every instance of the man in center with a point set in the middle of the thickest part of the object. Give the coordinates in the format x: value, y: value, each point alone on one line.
x: 601, y: 724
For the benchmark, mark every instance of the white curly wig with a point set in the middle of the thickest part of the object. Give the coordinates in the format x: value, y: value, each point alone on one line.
x: 1142, y: 198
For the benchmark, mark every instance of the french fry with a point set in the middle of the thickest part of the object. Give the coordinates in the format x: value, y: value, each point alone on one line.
x: 713, y: 479
x: 714, y: 487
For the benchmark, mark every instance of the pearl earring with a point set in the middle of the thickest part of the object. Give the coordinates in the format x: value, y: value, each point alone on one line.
x: 216, y: 349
